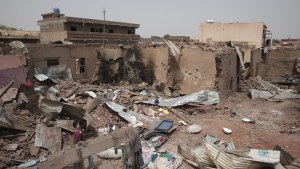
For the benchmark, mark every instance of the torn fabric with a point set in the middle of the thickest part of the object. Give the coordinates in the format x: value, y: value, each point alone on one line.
x: 48, y: 137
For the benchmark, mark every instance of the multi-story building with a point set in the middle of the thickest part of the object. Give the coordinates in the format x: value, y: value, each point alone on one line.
x: 255, y: 34
x: 58, y: 27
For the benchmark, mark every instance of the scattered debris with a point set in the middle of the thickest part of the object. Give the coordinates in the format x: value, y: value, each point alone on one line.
x: 28, y: 164
x: 275, y: 112
x: 65, y: 124
x: 182, y: 122
x: 194, y: 129
x: 227, y: 130
x: 164, y: 126
x: 247, y: 120
x: 233, y: 112
x: 12, y: 147
x: 273, y: 93
x: 111, y: 153
x: 134, y: 118
x: 165, y: 160
x: 204, y: 97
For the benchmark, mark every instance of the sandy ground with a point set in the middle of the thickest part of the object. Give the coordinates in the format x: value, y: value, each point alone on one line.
x: 269, y: 129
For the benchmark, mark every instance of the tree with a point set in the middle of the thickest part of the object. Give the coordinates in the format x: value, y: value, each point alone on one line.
x: 166, y: 36
x: 275, y: 41
x: 6, y: 27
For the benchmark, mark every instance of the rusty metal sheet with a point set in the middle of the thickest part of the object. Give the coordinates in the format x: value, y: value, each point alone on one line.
x: 65, y: 124
x: 50, y: 106
x: 48, y: 137
x: 15, y: 74
x: 73, y: 111
x: 8, y: 61
x: 53, y: 106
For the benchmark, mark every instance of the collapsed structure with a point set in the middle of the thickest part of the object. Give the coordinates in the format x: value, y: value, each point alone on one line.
x: 150, y: 91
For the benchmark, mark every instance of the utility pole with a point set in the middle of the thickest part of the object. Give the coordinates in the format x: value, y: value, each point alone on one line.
x: 103, y: 28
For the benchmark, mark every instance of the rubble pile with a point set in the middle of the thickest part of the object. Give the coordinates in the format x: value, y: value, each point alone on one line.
x: 39, y: 117
x: 54, y: 105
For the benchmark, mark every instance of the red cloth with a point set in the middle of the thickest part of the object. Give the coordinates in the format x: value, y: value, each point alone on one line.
x: 28, y: 83
x: 77, y: 135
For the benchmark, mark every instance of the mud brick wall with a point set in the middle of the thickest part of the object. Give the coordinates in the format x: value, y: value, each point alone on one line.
x: 66, y: 54
x: 255, y: 61
x: 227, y: 78
x: 279, y: 62
x: 156, y: 60
x: 196, y: 69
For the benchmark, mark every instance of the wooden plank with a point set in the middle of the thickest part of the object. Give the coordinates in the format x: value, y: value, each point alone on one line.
x: 73, y: 155
x: 3, y: 91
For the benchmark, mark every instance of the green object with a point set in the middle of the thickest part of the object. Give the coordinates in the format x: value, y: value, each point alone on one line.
x: 153, y: 157
x: 169, y: 156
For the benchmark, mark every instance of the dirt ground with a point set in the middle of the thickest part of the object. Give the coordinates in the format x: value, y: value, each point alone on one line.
x: 269, y: 129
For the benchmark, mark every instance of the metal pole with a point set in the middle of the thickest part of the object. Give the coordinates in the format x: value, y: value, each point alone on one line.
x: 103, y: 28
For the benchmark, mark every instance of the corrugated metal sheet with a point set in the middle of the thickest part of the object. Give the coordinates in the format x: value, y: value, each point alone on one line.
x: 50, y: 106
x: 204, y: 97
x: 230, y: 161
x: 9, y: 61
x: 131, y: 116
x: 15, y: 74
x: 173, y: 48
x: 65, y: 124
x: 48, y: 137
x: 53, y: 106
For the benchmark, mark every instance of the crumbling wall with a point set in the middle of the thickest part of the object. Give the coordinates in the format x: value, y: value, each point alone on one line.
x: 279, y: 63
x: 198, y: 68
x: 227, y: 77
x: 66, y: 54
x: 155, y: 59
x: 256, y: 59
x: 116, y: 65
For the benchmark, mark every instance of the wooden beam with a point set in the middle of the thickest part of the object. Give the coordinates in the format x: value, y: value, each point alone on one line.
x: 3, y: 91
x: 73, y: 155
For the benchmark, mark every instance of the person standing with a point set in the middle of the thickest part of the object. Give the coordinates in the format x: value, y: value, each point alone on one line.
x: 77, y: 137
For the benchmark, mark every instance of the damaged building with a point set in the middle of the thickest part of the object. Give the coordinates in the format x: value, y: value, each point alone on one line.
x: 57, y: 27
x: 172, y: 105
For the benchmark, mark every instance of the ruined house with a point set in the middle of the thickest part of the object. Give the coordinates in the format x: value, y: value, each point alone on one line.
x: 58, y: 27
x: 254, y: 34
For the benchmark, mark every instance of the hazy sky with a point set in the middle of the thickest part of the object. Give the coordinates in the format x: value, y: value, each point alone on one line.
x: 159, y: 17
